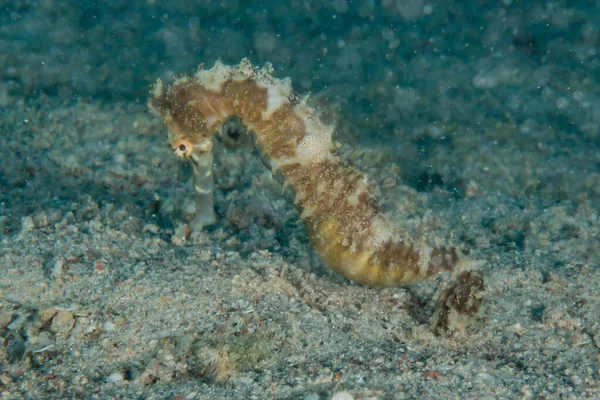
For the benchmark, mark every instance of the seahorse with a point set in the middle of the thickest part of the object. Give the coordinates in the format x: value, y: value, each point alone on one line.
x: 336, y: 201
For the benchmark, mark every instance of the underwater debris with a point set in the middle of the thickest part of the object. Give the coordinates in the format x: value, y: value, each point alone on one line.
x: 459, y: 301
x: 336, y: 201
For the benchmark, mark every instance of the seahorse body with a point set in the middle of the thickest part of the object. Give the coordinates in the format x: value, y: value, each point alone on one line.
x: 336, y: 201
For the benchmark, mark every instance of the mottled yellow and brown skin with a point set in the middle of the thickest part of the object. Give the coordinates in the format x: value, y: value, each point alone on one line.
x: 336, y: 201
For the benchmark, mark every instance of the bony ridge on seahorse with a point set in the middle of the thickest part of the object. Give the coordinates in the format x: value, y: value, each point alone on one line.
x: 336, y: 202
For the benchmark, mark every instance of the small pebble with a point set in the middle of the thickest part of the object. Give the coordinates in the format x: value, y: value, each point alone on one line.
x: 114, y: 377
x: 18, y: 323
x: 554, y: 313
x: 62, y: 323
x: 58, y: 268
x: 5, y: 379
x: 5, y: 318
x: 342, y: 396
x: 27, y: 225
x: 15, y: 347
x: 109, y: 326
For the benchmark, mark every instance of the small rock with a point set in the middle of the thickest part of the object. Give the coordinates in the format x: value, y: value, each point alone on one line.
x: 58, y: 268
x: 342, y: 396
x: 5, y: 379
x: 109, y: 326
x: 62, y: 323
x: 3, y: 354
x: 5, y: 318
x: 41, y: 220
x: 17, y: 324
x: 27, y: 225
x: 46, y: 315
x: 55, y: 216
x: 554, y: 313
x: 597, y: 340
x: 15, y: 347
x: 152, y: 228
x: 311, y: 397
x: 68, y: 219
x: 115, y: 377
x: 182, y: 234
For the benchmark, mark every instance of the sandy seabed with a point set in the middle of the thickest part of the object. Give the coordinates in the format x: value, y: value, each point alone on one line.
x: 479, y: 123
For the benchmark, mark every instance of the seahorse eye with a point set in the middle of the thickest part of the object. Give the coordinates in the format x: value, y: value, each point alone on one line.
x: 183, y: 149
